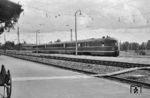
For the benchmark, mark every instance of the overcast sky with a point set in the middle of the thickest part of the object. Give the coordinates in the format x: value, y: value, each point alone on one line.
x: 126, y: 20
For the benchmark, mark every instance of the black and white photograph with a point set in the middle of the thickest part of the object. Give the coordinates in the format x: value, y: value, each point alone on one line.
x: 74, y: 48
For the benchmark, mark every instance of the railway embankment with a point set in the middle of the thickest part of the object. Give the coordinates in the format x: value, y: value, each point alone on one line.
x: 88, y: 65
x: 66, y: 63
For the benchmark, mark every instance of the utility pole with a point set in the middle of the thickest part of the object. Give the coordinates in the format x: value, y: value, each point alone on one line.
x: 36, y: 43
x: 71, y: 34
x: 37, y: 40
x: 18, y: 35
x: 4, y: 43
x: 76, y: 49
x: 4, y: 38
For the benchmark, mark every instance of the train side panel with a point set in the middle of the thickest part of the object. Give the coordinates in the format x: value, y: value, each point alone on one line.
x: 103, y: 47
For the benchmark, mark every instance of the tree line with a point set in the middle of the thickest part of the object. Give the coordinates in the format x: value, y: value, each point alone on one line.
x: 125, y: 46
x: 10, y: 45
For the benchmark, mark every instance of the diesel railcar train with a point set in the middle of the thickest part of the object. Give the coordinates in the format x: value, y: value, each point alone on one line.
x: 105, y: 46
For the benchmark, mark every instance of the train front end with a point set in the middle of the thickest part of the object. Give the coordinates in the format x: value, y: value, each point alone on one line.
x: 111, y: 46
x: 106, y: 46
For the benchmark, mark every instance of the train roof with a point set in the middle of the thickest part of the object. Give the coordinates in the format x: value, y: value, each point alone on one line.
x: 86, y: 40
x: 98, y: 39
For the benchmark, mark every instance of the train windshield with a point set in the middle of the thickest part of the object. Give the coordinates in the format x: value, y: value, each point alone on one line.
x: 110, y: 42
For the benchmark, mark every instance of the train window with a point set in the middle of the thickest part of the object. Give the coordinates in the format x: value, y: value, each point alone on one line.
x: 99, y: 43
x: 89, y: 44
x: 83, y: 44
x: 60, y: 45
x: 70, y: 45
x: 50, y: 46
x: 86, y: 44
x: 67, y: 45
x: 73, y: 44
x: 92, y: 43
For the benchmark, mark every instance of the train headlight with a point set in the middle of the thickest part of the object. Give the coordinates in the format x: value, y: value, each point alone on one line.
x: 114, y: 48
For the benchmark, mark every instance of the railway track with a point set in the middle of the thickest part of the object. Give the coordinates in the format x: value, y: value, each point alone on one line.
x: 85, y: 60
x: 124, y: 65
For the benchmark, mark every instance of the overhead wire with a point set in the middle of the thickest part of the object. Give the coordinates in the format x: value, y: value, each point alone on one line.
x: 57, y: 14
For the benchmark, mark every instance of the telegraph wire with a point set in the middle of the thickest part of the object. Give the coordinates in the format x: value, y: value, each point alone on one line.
x: 57, y: 15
